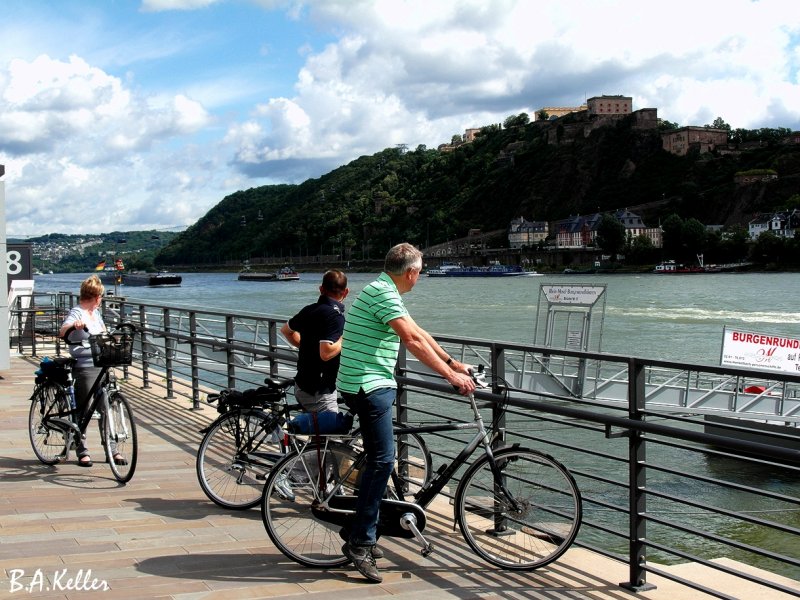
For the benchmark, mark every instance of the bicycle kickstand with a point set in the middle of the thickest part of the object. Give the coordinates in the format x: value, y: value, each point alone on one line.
x: 409, y: 522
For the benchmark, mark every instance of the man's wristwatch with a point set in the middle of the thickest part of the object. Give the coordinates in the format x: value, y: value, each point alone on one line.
x: 449, y: 361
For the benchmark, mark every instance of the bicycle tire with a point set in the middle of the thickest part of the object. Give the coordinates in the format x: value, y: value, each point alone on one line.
x: 536, y: 534
x: 48, y: 443
x: 288, y: 504
x: 229, y: 475
x: 413, y: 463
x: 119, y: 436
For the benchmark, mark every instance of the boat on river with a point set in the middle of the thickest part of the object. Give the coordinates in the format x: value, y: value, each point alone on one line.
x: 160, y: 279
x: 495, y: 269
x: 670, y: 267
x: 286, y: 273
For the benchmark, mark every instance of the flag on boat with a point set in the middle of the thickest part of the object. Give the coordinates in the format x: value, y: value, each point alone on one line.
x: 100, y: 266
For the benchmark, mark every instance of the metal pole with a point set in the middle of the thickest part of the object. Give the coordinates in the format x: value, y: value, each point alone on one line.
x: 637, y: 482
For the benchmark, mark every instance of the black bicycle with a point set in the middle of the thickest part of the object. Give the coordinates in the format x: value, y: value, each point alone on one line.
x: 53, y: 423
x: 517, y: 508
x: 239, y: 448
x: 242, y: 445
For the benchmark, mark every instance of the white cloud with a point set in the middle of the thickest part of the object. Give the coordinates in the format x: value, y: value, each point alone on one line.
x: 76, y: 133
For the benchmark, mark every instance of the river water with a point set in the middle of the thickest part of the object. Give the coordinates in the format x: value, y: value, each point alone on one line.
x: 668, y: 317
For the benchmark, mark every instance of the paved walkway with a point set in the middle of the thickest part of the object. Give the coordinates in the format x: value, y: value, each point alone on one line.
x: 159, y: 537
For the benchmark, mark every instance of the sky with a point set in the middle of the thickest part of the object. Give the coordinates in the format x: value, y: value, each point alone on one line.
x: 144, y: 114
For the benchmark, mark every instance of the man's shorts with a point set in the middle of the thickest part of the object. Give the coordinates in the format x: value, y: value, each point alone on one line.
x: 317, y: 402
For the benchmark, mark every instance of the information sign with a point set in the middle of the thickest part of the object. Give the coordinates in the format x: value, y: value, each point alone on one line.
x: 763, y: 351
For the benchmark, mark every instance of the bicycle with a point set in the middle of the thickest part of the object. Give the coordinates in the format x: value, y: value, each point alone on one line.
x: 241, y: 446
x: 53, y: 422
x: 517, y: 508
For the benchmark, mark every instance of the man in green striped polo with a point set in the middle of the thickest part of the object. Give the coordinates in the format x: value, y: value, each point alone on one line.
x: 375, y: 326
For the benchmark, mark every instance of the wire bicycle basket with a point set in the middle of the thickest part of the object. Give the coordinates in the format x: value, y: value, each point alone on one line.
x: 112, y: 349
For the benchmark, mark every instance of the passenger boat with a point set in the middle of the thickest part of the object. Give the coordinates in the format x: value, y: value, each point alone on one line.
x: 670, y: 267
x: 283, y: 274
x: 495, y: 269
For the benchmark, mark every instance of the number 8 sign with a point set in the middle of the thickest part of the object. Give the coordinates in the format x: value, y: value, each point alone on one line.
x: 14, y: 260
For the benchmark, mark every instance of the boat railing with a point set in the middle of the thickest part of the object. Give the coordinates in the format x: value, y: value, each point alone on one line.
x: 676, y: 462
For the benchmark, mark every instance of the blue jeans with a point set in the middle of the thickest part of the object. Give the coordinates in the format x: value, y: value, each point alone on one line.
x: 374, y: 412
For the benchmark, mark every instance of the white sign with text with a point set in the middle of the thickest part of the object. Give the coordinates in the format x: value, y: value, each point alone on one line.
x: 764, y: 351
x: 586, y: 295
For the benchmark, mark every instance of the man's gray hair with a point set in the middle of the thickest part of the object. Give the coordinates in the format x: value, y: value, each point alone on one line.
x: 401, y: 258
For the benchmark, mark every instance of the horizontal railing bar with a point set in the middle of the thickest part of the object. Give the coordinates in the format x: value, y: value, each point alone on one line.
x: 741, y: 516
x: 726, y: 484
x: 642, y: 426
x: 722, y: 540
x: 711, y: 565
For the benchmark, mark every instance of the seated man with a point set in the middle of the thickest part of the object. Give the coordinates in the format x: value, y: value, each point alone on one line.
x: 317, y: 331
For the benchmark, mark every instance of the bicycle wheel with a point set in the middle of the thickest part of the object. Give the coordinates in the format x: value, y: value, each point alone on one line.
x: 413, y: 465
x: 534, y: 533
x: 235, y: 457
x: 119, y: 437
x: 48, y: 443
x: 291, y: 503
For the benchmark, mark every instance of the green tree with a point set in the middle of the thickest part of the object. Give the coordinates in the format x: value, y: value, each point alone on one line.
x: 768, y: 248
x: 672, y: 239
x: 693, y: 237
x: 641, y: 250
x: 719, y: 123
x: 610, y: 235
x: 516, y: 121
x: 735, y: 244
x: 541, y: 115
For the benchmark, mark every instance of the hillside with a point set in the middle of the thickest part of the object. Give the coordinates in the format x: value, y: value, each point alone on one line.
x: 539, y: 170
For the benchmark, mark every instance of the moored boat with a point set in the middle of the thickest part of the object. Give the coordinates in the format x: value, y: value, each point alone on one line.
x: 670, y: 267
x: 160, y: 279
x: 495, y: 269
x: 286, y: 273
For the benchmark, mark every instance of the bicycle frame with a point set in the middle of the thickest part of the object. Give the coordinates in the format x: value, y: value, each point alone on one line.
x: 440, y: 479
x: 70, y: 422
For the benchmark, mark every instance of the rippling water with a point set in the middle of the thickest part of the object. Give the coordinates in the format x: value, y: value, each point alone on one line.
x: 669, y: 317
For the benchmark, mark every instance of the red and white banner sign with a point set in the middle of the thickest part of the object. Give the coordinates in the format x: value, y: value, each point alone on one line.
x: 765, y: 351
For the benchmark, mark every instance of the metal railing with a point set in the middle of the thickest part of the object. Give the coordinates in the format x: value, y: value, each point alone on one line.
x: 665, y: 479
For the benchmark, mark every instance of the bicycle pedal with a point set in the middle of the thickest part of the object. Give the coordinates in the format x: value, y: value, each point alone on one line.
x: 427, y: 550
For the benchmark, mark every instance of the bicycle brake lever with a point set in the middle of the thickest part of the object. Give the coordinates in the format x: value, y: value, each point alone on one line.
x: 479, y: 377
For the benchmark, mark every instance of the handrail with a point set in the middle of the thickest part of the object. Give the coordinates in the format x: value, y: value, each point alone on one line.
x: 625, y: 447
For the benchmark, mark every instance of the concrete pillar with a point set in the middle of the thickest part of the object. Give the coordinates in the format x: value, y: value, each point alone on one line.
x: 4, y: 350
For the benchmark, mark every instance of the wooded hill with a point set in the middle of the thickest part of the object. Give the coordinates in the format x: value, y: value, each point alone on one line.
x: 429, y: 196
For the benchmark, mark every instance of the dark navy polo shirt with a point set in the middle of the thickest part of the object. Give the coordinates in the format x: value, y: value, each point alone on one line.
x: 323, y: 321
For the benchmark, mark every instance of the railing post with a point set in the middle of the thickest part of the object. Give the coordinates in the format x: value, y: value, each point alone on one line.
x: 145, y: 345
x: 499, y: 374
x: 401, y: 402
x: 637, y: 482
x: 230, y: 355
x: 193, y: 359
x: 169, y: 351
x: 273, y: 347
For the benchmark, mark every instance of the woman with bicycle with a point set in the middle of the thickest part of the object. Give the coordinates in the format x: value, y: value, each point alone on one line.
x: 84, y: 320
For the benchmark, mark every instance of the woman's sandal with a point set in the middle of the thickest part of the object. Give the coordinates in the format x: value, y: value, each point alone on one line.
x: 120, y: 460
x: 84, y: 463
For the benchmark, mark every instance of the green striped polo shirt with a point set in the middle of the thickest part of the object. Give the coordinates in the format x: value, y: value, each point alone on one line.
x: 369, y: 345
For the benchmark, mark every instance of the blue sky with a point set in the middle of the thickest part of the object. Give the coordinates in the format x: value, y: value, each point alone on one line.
x: 138, y: 114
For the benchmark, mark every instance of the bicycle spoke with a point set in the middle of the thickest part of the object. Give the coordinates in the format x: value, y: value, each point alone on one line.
x: 119, y: 437
x: 235, y: 457
x: 533, y: 530
x: 48, y: 442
